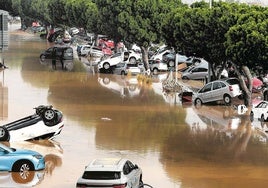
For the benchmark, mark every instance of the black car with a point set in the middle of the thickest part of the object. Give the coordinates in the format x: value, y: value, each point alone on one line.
x: 66, y: 50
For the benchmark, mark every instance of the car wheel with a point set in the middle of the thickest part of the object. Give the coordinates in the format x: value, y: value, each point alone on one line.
x: 227, y: 99
x: 251, y: 116
x: 4, y: 134
x: 23, y: 177
x: 23, y: 166
x: 171, y: 63
x: 132, y: 60
x: 198, y: 102
x: 123, y: 73
x: 185, y: 78
x: 155, y: 71
x: 106, y: 66
x: 49, y: 115
x: 262, y: 118
x: 42, y: 57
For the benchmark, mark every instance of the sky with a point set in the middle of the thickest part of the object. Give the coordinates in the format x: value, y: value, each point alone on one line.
x: 263, y: 2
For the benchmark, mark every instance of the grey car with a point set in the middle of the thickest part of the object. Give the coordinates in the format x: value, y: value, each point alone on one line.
x: 224, y: 89
x: 197, y: 72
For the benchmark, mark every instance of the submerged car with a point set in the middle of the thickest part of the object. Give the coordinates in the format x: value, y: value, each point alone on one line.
x: 46, y: 123
x: 260, y: 111
x: 223, y: 89
x: 20, y: 160
x: 111, y: 172
x: 126, y: 68
x: 67, y: 52
x: 112, y: 61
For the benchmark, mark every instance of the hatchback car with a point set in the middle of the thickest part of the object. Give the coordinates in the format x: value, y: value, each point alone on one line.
x: 126, y: 68
x: 110, y: 62
x: 196, y: 72
x: 157, y: 66
x: 224, y: 89
x: 20, y: 160
x: 260, y: 111
x: 111, y: 172
x: 66, y: 50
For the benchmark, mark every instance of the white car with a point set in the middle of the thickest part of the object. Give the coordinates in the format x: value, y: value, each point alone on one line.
x: 126, y: 68
x: 111, y: 172
x: 260, y: 111
x: 128, y: 57
x: 223, y: 89
x: 46, y: 123
x: 157, y: 66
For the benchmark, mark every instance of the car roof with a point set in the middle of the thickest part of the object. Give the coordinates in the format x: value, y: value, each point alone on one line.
x: 106, y: 164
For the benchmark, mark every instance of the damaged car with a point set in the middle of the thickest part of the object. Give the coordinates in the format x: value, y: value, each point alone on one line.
x: 45, y: 123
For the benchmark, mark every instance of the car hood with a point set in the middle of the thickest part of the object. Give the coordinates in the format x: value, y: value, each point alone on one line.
x: 23, y: 151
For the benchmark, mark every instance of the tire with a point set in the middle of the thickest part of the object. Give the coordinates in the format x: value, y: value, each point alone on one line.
x: 185, y: 78
x: 227, y: 99
x: 23, y: 177
x: 171, y: 63
x: 123, y: 73
x: 198, y: 102
x: 132, y: 60
x: 49, y: 115
x: 106, y: 66
x: 42, y: 57
x: 262, y: 118
x: 251, y: 116
x: 23, y: 166
x: 155, y: 71
x: 4, y: 134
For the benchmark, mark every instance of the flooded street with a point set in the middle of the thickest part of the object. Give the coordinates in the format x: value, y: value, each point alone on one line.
x: 177, y: 146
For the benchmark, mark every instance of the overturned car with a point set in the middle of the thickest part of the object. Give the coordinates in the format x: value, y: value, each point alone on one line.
x: 45, y: 123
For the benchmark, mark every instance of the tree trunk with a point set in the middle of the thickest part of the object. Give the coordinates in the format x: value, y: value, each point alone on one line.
x: 144, y: 52
x: 245, y: 87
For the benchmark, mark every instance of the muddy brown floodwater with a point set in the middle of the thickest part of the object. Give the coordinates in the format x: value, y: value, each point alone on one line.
x: 177, y: 146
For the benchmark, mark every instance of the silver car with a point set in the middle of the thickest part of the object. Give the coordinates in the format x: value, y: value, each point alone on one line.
x: 196, y: 72
x: 224, y: 89
x: 111, y: 172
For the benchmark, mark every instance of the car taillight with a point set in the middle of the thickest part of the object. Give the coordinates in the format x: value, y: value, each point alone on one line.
x: 230, y: 88
x: 120, y: 186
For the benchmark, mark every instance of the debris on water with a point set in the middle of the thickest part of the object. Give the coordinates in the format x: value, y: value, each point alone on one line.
x: 106, y: 119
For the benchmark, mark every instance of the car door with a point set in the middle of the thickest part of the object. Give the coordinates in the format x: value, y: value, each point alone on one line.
x: 217, y: 91
x: 199, y: 73
x: 205, y: 93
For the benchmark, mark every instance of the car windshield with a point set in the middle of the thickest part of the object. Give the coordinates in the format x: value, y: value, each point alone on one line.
x: 4, y: 147
x: 101, y: 175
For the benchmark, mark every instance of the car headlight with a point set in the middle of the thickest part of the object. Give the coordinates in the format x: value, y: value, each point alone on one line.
x: 38, y: 156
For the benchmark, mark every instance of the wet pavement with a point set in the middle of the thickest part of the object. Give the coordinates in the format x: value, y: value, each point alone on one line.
x: 176, y: 145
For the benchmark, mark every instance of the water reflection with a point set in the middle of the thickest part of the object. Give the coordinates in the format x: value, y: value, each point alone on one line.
x: 17, y: 179
x: 4, y: 96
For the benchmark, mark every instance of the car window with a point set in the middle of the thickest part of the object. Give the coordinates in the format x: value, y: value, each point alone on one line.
x: 200, y: 69
x: 206, y: 88
x: 116, y: 55
x: 216, y: 85
x: 126, y: 169
x: 101, y: 175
